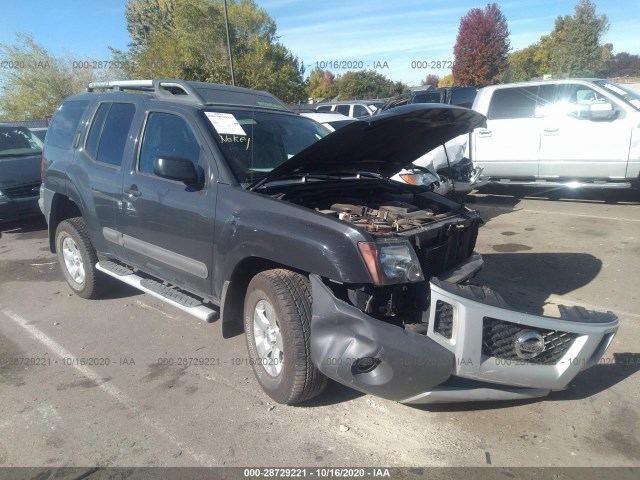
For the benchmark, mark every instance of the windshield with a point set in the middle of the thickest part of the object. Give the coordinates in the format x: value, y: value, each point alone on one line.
x: 18, y: 142
x: 255, y: 142
x: 629, y: 96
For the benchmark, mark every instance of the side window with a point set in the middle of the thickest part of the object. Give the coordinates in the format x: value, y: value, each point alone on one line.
x: 91, y: 146
x: 109, y: 131
x: 167, y: 135
x: 509, y: 103
x: 360, y: 111
x: 574, y: 100
x: 343, y: 109
x: 65, y: 123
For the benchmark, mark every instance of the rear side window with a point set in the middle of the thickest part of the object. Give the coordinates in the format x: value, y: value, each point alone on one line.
x: 509, y: 103
x: 360, y: 111
x: 343, y: 109
x: 65, y: 123
x: 167, y: 135
x: 108, y: 135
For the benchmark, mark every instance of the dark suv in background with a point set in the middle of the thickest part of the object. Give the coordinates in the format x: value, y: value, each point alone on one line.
x: 460, y: 96
x: 20, y: 158
x: 223, y: 203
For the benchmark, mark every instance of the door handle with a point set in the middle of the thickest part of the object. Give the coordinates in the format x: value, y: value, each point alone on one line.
x: 484, y: 133
x: 133, y: 191
x: 551, y: 131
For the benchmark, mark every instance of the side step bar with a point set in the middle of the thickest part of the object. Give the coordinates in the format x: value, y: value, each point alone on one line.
x: 172, y: 296
x: 554, y: 183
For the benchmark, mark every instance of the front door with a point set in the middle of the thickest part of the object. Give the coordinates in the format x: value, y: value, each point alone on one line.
x: 167, y: 226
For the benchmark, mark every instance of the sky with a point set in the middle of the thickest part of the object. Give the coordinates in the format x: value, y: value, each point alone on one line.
x: 399, y: 38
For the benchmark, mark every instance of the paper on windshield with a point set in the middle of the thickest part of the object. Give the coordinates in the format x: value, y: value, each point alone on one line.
x: 225, y: 123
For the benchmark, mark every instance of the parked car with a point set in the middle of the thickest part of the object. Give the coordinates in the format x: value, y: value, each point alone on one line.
x: 460, y: 96
x: 222, y: 202
x: 20, y: 157
x: 354, y: 109
x: 333, y: 121
x: 575, y: 132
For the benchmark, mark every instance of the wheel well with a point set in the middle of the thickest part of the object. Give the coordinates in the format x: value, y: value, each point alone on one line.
x: 233, y: 302
x: 62, y: 208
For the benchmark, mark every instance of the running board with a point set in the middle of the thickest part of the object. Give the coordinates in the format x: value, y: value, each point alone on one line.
x: 554, y: 183
x: 172, y: 296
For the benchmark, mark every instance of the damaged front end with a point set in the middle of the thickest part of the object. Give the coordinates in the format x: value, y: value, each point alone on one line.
x: 467, y: 345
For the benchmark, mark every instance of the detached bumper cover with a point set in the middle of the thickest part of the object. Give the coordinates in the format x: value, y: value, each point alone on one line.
x: 476, y: 347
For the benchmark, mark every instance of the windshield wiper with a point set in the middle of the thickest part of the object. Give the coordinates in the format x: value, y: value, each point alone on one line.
x: 19, y: 154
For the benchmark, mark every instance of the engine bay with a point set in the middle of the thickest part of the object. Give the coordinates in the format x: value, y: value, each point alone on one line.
x: 380, y: 211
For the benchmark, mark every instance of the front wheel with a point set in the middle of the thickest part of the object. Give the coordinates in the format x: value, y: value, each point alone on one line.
x: 78, y: 258
x: 277, y: 324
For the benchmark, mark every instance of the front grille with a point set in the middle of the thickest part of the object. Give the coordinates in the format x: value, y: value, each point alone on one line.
x: 443, y: 321
x: 22, y: 191
x: 456, y: 244
x: 499, y: 337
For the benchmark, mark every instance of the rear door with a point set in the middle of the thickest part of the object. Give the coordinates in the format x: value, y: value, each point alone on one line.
x: 509, y: 146
x: 166, y: 226
x: 574, y: 145
x: 103, y: 149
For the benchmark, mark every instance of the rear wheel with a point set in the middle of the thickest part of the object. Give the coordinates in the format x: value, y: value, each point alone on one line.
x: 78, y: 258
x: 277, y: 322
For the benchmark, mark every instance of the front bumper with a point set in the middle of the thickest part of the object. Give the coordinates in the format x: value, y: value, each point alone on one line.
x: 468, y: 352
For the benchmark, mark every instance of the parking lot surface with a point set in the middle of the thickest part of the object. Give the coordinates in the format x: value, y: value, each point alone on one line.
x: 130, y: 381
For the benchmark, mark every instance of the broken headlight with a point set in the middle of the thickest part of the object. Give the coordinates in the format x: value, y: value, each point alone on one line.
x: 391, y: 262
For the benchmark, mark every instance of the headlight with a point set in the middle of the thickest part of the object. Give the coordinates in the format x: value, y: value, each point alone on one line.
x: 391, y: 262
x: 424, y: 178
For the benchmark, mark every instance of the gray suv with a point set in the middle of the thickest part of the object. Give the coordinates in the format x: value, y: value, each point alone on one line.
x: 225, y: 204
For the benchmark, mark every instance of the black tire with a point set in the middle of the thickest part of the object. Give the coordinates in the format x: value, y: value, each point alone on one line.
x: 289, y: 294
x: 94, y: 283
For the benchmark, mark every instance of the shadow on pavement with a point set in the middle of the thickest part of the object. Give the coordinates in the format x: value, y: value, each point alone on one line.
x: 28, y: 225
x: 526, y: 280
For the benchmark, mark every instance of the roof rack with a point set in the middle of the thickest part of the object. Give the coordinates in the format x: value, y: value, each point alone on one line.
x: 165, y: 88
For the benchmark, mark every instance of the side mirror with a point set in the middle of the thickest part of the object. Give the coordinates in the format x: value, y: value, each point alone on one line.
x: 602, y: 111
x: 176, y: 168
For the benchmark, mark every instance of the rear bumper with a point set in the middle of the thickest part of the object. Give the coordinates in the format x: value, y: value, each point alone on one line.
x: 19, y: 208
x: 468, y: 352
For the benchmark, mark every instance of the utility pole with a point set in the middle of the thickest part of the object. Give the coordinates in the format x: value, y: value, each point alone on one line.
x: 226, y: 23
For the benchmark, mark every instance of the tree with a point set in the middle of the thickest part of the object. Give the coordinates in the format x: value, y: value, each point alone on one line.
x: 573, y: 47
x: 38, y: 81
x: 432, y: 80
x: 624, y: 64
x: 367, y: 84
x: 447, y: 81
x: 482, y: 45
x: 321, y: 84
x: 523, y: 64
x: 187, y: 39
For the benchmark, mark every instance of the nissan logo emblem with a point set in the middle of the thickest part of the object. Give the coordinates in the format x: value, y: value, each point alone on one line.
x: 529, y: 344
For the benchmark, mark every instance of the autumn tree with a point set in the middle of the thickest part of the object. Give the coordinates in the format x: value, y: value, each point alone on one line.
x: 35, y: 81
x: 187, y: 39
x: 624, y: 64
x: 431, y: 79
x: 482, y: 45
x: 321, y: 84
x: 447, y: 81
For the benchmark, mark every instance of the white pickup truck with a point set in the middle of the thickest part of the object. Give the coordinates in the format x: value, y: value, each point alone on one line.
x: 574, y: 132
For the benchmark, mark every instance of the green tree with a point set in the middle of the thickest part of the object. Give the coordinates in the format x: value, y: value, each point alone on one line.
x: 38, y: 81
x: 187, y: 39
x: 482, y: 45
x: 523, y: 64
x: 573, y: 48
x: 362, y: 84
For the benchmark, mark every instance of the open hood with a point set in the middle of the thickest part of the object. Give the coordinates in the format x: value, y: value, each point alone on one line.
x: 383, y: 144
